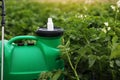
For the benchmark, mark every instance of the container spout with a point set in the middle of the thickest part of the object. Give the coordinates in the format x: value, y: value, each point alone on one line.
x: 50, y: 25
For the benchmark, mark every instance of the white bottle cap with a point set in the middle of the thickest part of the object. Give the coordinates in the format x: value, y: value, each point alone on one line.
x: 50, y: 25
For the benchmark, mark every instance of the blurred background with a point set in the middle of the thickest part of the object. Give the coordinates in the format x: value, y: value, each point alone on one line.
x: 91, y: 40
x: 83, y: 1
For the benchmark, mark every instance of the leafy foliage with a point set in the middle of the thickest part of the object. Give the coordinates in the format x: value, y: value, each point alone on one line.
x: 50, y: 75
x: 91, y: 45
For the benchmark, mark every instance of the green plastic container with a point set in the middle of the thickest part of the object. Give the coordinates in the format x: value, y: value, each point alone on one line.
x: 26, y: 61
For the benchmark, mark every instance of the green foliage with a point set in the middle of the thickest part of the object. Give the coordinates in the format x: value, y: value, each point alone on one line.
x: 50, y: 75
x: 91, y: 45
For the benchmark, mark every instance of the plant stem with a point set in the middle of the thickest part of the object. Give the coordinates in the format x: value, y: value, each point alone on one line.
x: 77, y: 62
x: 113, y: 75
x: 116, y: 16
x: 100, y: 70
x: 74, y: 70
x: 86, y: 39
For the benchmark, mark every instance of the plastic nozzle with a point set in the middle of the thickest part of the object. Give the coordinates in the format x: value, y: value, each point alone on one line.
x: 50, y: 25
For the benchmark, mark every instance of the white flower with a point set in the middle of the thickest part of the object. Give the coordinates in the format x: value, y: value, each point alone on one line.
x: 80, y: 16
x: 85, y: 16
x: 113, y: 7
x: 118, y: 4
x: 118, y: 11
x: 106, y: 23
x: 109, y: 28
x: 104, y: 30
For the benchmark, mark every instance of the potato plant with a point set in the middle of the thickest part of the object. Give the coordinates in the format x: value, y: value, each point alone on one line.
x: 91, y: 42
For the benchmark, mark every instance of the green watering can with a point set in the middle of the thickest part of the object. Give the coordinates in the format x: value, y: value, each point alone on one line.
x: 26, y: 61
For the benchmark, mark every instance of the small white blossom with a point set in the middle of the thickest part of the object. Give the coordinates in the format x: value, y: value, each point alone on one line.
x: 113, y: 7
x: 118, y: 11
x: 109, y: 28
x: 85, y: 16
x: 118, y: 4
x: 106, y: 23
x: 81, y: 16
x: 104, y: 30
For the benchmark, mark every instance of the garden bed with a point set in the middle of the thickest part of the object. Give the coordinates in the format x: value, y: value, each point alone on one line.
x: 91, y: 40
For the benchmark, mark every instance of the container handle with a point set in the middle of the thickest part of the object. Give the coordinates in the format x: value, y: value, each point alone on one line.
x: 22, y: 37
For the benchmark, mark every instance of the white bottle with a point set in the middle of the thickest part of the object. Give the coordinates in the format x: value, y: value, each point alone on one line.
x: 50, y: 25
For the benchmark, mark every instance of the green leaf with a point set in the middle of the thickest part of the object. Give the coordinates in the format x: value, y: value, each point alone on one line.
x: 116, y: 52
x: 82, y: 51
x: 117, y: 62
x: 68, y: 43
x: 56, y: 75
x: 45, y: 75
x: 91, y: 60
x: 111, y: 64
x: 114, y: 40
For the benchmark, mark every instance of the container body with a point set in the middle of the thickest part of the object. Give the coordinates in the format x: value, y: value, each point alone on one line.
x: 26, y: 62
